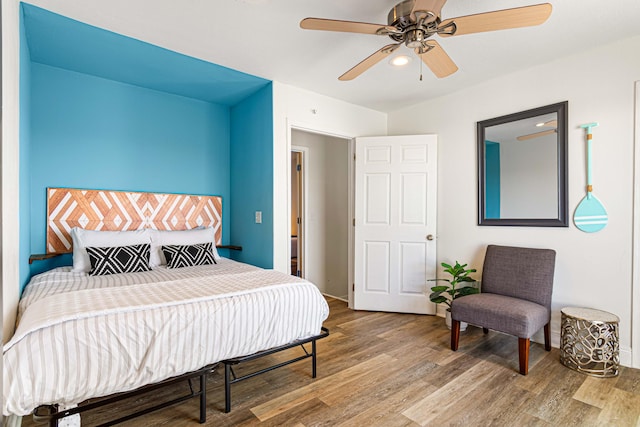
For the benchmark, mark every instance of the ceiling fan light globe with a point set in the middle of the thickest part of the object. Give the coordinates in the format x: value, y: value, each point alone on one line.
x: 400, y: 60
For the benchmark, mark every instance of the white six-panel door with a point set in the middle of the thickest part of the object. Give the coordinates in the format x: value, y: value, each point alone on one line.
x: 395, y: 227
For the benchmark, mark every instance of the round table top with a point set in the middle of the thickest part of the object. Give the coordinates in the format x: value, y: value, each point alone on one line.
x: 590, y: 314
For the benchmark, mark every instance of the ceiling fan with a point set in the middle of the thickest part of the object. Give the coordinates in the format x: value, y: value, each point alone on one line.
x: 413, y: 22
x: 550, y: 123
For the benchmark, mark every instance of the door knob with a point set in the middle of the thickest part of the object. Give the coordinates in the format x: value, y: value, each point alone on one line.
x: 429, y: 237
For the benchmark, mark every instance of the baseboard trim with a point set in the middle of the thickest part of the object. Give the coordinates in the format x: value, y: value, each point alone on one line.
x: 335, y: 297
x: 626, y: 352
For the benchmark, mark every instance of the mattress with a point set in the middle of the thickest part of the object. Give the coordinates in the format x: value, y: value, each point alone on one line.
x: 81, y: 336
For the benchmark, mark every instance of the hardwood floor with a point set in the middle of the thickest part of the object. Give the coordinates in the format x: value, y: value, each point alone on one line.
x: 387, y: 369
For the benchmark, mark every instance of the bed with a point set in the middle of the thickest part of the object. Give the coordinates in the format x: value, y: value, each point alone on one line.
x: 81, y: 335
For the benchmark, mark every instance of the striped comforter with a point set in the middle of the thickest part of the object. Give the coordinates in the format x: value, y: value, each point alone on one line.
x: 80, y: 336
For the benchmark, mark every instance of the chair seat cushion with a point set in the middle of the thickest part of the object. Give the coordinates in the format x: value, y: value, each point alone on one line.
x: 510, y: 315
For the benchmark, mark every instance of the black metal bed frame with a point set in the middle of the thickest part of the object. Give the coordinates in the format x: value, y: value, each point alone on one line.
x: 229, y: 373
x: 51, y: 413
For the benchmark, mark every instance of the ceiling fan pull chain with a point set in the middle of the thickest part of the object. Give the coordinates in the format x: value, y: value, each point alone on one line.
x: 420, y: 70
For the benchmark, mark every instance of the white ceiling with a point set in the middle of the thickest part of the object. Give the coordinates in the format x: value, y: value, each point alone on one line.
x: 263, y: 38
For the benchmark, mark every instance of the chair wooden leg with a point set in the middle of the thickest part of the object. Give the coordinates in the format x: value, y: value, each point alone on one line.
x: 485, y: 330
x: 523, y: 351
x: 547, y: 337
x: 455, y: 334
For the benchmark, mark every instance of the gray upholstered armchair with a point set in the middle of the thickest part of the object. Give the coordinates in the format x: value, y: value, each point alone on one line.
x: 515, y: 298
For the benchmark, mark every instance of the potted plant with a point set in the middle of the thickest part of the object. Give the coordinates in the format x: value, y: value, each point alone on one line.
x: 447, y: 293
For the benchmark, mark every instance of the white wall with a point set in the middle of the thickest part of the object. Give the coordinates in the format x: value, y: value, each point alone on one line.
x: 9, y: 178
x: 10, y: 259
x: 327, y: 208
x: 592, y: 270
x: 294, y: 107
x: 635, y: 296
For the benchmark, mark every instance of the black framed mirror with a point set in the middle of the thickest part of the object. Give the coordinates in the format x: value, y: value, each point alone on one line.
x: 522, y: 168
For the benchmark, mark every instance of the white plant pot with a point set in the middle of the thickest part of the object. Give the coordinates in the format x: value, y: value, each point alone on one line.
x: 463, y: 325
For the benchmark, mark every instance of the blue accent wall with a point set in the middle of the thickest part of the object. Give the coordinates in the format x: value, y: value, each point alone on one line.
x: 24, y: 205
x: 252, y: 178
x: 90, y: 132
x: 103, y: 111
x: 66, y: 43
x: 492, y: 179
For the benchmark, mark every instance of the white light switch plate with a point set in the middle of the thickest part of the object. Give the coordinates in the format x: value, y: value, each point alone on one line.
x: 258, y: 217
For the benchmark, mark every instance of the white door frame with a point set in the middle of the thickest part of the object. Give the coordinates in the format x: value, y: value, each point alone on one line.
x: 306, y: 127
x: 635, y: 249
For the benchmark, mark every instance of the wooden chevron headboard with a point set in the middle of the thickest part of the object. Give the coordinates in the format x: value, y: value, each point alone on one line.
x: 124, y: 211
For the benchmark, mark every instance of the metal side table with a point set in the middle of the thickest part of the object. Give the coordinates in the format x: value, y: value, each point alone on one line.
x: 589, y: 341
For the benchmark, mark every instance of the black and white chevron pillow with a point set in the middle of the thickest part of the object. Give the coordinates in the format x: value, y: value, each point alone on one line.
x: 119, y: 259
x: 188, y: 255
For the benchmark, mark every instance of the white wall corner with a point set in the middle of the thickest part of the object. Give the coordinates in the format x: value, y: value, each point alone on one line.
x: 281, y: 158
x: 626, y: 356
x: 635, y: 277
x: 10, y: 193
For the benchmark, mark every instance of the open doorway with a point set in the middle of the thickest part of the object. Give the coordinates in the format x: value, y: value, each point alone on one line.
x: 297, y: 208
x: 320, y: 197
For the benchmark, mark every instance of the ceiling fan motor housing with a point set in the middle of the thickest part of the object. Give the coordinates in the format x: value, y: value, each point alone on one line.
x: 400, y: 15
x: 414, y: 38
x: 412, y: 34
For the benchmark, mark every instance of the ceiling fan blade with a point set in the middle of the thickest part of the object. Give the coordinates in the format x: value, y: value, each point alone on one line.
x: 433, y: 6
x: 536, y: 135
x: 437, y: 60
x: 347, y: 26
x: 526, y: 16
x: 369, y: 62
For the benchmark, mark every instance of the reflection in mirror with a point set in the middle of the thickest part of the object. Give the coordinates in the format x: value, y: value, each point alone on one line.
x: 522, y: 168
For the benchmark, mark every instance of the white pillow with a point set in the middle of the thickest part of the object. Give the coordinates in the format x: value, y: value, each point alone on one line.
x: 160, y: 238
x: 107, y: 239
